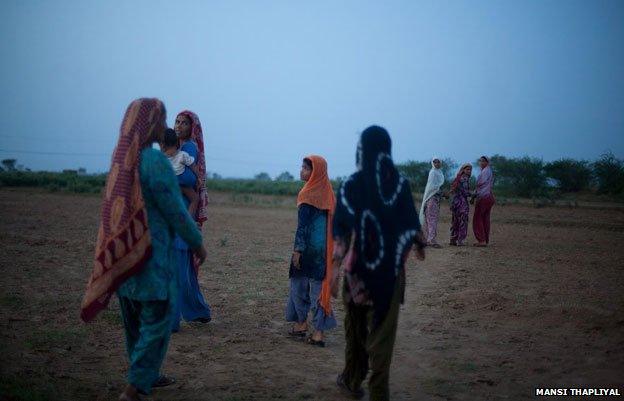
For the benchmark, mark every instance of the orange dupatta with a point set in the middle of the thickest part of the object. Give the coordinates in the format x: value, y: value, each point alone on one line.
x: 318, y: 192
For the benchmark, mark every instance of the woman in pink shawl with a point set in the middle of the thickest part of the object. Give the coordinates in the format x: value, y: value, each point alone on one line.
x: 485, y: 201
x: 191, y: 303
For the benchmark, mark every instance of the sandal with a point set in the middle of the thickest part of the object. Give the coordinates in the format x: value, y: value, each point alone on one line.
x: 201, y: 320
x: 297, y: 333
x: 312, y: 341
x: 344, y: 388
x: 164, y: 381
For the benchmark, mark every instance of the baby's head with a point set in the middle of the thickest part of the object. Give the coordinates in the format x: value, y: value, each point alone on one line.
x: 171, y: 139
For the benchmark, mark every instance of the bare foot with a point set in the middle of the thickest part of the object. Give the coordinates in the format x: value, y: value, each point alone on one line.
x: 317, y: 335
x: 130, y: 394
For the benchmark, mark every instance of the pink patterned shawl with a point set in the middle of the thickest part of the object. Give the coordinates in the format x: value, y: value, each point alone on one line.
x: 123, y: 243
x: 198, y: 137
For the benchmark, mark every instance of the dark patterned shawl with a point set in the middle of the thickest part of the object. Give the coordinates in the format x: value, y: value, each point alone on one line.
x: 376, y: 205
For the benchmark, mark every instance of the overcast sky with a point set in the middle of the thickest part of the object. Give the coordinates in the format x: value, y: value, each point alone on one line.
x: 273, y: 81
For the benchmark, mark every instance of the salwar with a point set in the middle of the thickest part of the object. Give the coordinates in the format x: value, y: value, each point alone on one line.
x: 481, y: 218
x: 147, y: 327
x: 459, y: 226
x: 432, y: 214
x: 191, y: 304
x: 367, y: 346
x: 304, y: 298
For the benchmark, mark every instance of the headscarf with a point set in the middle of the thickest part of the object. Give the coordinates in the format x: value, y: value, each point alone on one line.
x: 376, y: 205
x: 197, y: 136
x: 123, y: 243
x: 459, y: 176
x: 318, y: 192
x: 434, y: 182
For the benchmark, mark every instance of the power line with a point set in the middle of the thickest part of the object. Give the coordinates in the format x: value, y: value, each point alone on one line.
x: 218, y: 159
x: 40, y: 138
x: 209, y: 158
x: 35, y: 152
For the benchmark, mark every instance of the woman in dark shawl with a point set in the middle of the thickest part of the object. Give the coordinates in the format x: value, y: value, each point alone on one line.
x: 375, y: 226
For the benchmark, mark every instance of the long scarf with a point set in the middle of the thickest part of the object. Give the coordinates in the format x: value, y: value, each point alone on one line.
x: 198, y: 137
x: 376, y: 208
x: 319, y: 193
x: 123, y: 243
x: 434, y: 182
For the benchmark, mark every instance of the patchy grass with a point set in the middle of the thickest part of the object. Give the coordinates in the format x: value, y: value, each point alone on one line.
x: 111, y: 316
x: 10, y: 301
x: 56, y: 338
x: 13, y: 388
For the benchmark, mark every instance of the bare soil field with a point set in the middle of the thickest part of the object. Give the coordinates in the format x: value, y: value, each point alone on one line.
x: 542, y: 307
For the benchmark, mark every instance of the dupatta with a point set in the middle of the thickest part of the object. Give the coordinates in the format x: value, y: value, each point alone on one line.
x: 319, y: 193
x: 123, y: 242
x: 198, y: 137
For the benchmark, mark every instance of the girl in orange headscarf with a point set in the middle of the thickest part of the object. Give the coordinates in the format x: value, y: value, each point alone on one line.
x: 310, y: 269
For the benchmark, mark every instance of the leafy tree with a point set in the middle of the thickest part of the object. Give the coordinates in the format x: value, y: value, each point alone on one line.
x: 571, y: 175
x: 9, y: 164
x: 449, y: 168
x: 263, y: 177
x: 609, y: 174
x: 416, y: 173
x: 521, y: 176
x: 285, y: 177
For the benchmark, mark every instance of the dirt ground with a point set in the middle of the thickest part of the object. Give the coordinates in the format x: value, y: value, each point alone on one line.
x: 542, y: 307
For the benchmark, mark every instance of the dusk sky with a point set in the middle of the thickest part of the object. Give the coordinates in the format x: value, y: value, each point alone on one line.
x: 273, y: 81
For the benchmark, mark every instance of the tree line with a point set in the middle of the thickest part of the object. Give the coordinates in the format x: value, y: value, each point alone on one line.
x: 532, y: 177
x: 524, y: 177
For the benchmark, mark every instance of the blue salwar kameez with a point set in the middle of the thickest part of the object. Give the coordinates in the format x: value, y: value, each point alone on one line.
x: 148, y: 299
x: 191, y: 304
x: 306, y: 281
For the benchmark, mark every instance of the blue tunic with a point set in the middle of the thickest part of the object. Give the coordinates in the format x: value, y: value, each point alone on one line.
x: 311, y: 241
x: 307, y: 281
x: 166, y: 215
x: 148, y: 299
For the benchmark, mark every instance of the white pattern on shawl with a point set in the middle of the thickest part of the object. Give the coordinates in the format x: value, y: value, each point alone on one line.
x: 434, y: 182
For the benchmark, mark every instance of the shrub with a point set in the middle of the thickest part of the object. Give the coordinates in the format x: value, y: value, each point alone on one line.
x: 571, y: 175
x: 519, y: 176
x: 609, y: 174
x: 416, y: 173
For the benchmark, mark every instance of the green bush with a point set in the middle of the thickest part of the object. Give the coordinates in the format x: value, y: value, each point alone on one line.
x: 522, y: 177
x: 416, y: 172
x: 571, y: 175
x: 609, y: 174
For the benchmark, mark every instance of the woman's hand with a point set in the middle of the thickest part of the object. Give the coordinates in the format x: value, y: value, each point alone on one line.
x: 296, y: 259
x: 200, y: 254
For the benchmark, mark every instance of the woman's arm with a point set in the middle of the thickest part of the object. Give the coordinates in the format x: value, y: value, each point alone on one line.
x: 164, y: 187
x: 304, y: 217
